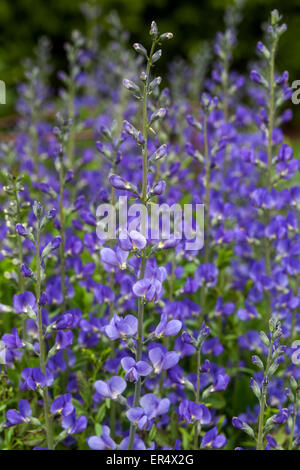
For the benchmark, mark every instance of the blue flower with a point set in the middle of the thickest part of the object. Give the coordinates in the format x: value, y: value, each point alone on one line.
x: 14, y: 417
x: 212, y: 439
x: 105, y: 442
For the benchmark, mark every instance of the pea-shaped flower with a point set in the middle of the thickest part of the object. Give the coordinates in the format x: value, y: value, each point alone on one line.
x: 114, y: 259
x: 167, y: 328
x: 14, y: 417
x: 119, y: 327
x: 162, y: 360
x: 63, y: 405
x: 114, y: 387
x: 24, y: 302
x: 104, y: 442
x: 212, y: 439
x: 190, y: 411
x: 132, y: 240
x: 135, y: 369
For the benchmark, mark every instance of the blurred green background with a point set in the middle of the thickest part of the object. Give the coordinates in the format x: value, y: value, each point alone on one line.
x: 22, y: 22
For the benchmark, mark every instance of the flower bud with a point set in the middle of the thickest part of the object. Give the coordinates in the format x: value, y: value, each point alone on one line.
x: 26, y: 271
x: 43, y: 300
x: 160, y: 114
x: 153, y: 29
x: 131, y: 86
x: 156, y: 82
x: 156, y: 56
x: 140, y: 49
x: 166, y: 36
x: 159, y: 188
x: 21, y: 230
x: 262, y: 49
x: 258, y: 362
x: 255, y: 388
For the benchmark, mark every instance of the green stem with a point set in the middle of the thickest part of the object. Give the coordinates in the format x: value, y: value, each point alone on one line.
x: 111, y: 276
x: 62, y: 260
x: 145, y: 126
x: 166, y: 340
x: 112, y: 418
x: 226, y: 110
x: 295, y: 311
x: 62, y: 236
x: 262, y: 402
x: 139, y: 347
x: 139, y: 342
x: 206, y: 213
x: 171, y: 281
x: 225, y: 90
x: 42, y: 355
x: 71, y: 137
x: 20, y: 256
x: 269, y: 167
x: 19, y: 242
x: 197, y: 424
x: 291, y: 437
x: 207, y: 194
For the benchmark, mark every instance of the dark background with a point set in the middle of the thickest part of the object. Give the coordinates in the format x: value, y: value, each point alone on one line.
x: 22, y: 22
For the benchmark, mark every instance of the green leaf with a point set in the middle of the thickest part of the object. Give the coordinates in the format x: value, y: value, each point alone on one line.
x: 224, y: 257
x: 84, y: 388
x: 98, y: 429
x: 101, y: 413
x: 186, y: 438
x: 190, y: 268
x: 152, y: 433
x: 215, y: 400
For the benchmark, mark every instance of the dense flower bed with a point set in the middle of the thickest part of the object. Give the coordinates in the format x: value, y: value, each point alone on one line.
x: 141, y: 341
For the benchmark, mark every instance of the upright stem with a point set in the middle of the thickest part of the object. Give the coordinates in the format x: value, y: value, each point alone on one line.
x: 145, y: 126
x: 226, y: 110
x: 269, y: 168
x: 197, y: 424
x: 291, y: 437
x: 19, y: 242
x: 42, y: 356
x: 71, y: 138
x: 34, y: 134
x: 62, y: 258
x: 111, y: 276
x: 171, y: 282
x: 206, y: 211
x: 112, y: 416
x: 271, y: 117
x: 139, y: 347
x: 207, y: 194
x: 225, y: 89
x: 262, y: 403
x: 139, y: 342
x: 166, y: 340
x: 62, y: 235
x: 295, y: 311
x: 20, y: 256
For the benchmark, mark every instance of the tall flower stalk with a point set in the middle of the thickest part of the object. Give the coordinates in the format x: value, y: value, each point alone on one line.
x: 42, y: 347
x: 197, y: 425
x: 274, y: 99
x: 294, y: 395
x: 142, y: 137
x: 62, y: 132
x: 74, y: 52
x: 269, y: 369
x: 14, y: 216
